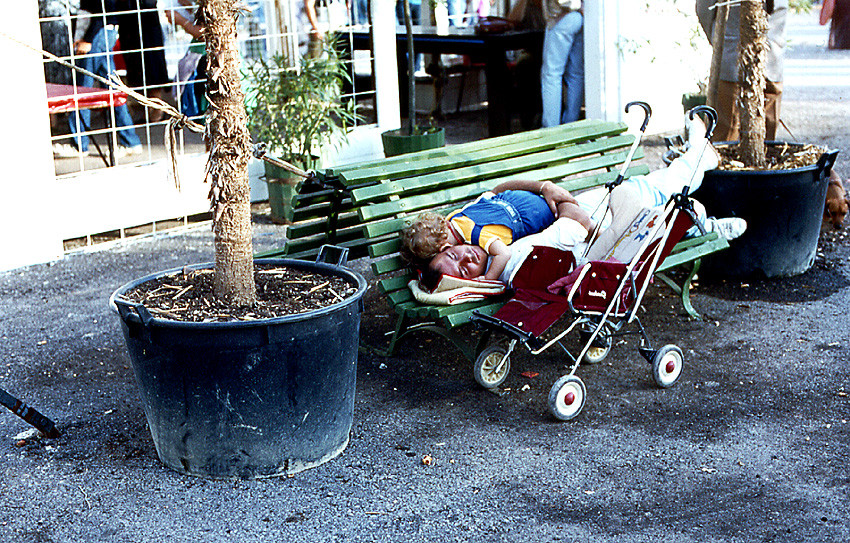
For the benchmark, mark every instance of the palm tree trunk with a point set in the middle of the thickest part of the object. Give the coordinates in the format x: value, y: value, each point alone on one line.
x: 751, y: 65
x: 228, y: 162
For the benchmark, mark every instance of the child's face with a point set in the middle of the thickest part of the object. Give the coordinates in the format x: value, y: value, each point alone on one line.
x: 451, y: 239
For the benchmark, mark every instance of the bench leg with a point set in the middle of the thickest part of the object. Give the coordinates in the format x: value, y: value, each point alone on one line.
x: 400, y: 330
x: 403, y: 327
x: 685, y: 290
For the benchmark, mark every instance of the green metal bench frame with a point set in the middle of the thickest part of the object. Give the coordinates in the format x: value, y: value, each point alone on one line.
x: 365, y: 206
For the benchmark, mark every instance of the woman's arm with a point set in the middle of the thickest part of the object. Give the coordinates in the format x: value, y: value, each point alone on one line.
x: 552, y: 193
x: 310, y: 9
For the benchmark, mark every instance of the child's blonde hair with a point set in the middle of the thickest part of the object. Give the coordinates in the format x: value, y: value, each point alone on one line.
x: 424, y: 237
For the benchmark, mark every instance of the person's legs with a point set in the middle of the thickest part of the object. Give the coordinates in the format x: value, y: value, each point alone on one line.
x: 415, y: 14
x: 656, y: 188
x: 574, y: 79
x: 79, y: 121
x: 557, y: 43
x: 727, y: 112
x: 772, y: 102
x: 361, y: 12
x: 105, y: 42
x: 457, y: 9
x: 625, y: 206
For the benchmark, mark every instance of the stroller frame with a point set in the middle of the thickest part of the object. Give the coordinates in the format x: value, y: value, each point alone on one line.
x: 567, y: 396
x: 598, y: 325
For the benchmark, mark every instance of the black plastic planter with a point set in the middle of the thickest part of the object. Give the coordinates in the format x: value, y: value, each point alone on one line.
x: 783, y: 210
x: 247, y: 399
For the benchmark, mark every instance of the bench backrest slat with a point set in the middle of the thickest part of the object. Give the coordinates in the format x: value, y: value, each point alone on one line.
x: 469, y: 191
x: 496, y: 168
x: 473, y: 152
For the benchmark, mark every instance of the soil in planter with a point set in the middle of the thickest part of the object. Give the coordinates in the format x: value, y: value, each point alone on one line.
x: 779, y: 157
x: 188, y: 296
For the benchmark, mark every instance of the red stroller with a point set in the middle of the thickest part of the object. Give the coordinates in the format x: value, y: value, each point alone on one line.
x: 599, y: 297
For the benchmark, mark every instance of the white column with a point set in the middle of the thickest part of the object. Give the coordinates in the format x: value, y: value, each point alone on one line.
x: 602, y: 58
x: 386, y: 64
x: 28, y: 208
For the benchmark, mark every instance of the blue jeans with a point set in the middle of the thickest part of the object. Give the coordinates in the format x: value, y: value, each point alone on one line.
x: 563, y: 65
x: 99, y: 61
x: 457, y: 8
x: 415, y: 14
x: 360, y: 12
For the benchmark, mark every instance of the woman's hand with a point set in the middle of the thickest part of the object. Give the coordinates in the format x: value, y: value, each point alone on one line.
x: 82, y: 47
x: 554, y: 195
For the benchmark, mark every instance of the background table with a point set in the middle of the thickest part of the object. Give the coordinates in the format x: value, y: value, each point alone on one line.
x: 70, y: 98
x: 464, y: 41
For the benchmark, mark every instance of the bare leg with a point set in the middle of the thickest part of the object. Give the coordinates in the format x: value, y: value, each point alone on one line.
x: 625, y: 206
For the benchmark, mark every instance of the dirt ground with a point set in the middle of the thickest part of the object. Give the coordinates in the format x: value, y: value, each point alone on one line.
x: 751, y: 445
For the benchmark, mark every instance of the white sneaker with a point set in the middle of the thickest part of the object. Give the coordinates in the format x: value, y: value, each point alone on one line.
x: 122, y: 151
x: 66, y: 150
x: 728, y: 228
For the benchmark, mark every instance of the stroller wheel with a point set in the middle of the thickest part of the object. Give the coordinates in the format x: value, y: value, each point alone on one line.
x: 667, y: 366
x: 492, y: 366
x: 566, y: 397
x: 599, y: 350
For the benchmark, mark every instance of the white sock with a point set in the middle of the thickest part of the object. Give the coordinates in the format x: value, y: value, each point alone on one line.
x: 694, y: 131
x: 728, y: 228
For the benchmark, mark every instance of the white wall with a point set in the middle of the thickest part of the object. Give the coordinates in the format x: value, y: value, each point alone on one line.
x: 123, y: 196
x: 650, y: 51
x: 28, y: 210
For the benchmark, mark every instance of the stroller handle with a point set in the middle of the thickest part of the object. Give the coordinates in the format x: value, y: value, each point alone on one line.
x: 646, y: 110
x: 712, y: 117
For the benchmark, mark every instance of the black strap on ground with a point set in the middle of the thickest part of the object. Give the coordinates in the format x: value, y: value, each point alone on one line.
x: 42, y: 423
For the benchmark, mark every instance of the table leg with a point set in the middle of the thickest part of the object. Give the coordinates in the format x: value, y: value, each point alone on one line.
x: 93, y: 141
x: 108, y: 120
x: 496, y: 74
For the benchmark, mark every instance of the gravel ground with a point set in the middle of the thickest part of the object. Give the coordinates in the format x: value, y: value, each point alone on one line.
x: 750, y: 445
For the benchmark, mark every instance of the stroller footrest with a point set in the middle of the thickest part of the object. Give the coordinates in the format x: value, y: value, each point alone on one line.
x: 488, y: 321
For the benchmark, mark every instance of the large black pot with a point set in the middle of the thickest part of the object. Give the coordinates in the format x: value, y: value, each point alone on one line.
x: 783, y: 210
x: 247, y: 399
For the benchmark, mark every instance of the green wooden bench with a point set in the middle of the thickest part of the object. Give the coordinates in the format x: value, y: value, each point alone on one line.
x: 367, y: 204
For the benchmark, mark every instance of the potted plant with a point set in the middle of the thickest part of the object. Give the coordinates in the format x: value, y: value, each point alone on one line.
x: 236, y: 380
x: 782, y: 200
x: 691, y: 100
x: 296, y: 109
x: 411, y: 137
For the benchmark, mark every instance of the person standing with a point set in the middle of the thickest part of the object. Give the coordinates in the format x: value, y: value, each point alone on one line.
x: 837, y: 11
x: 728, y: 116
x: 562, y: 72
x: 142, y: 46
x: 95, y: 47
x: 415, y: 19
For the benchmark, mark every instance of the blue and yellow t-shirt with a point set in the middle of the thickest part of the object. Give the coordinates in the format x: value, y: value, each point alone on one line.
x: 506, y: 216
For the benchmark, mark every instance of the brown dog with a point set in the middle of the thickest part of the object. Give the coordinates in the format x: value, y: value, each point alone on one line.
x: 835, y: 208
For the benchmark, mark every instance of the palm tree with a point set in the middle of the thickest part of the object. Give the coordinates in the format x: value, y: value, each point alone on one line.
x: 751, y: 66
x: 229, y: 156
